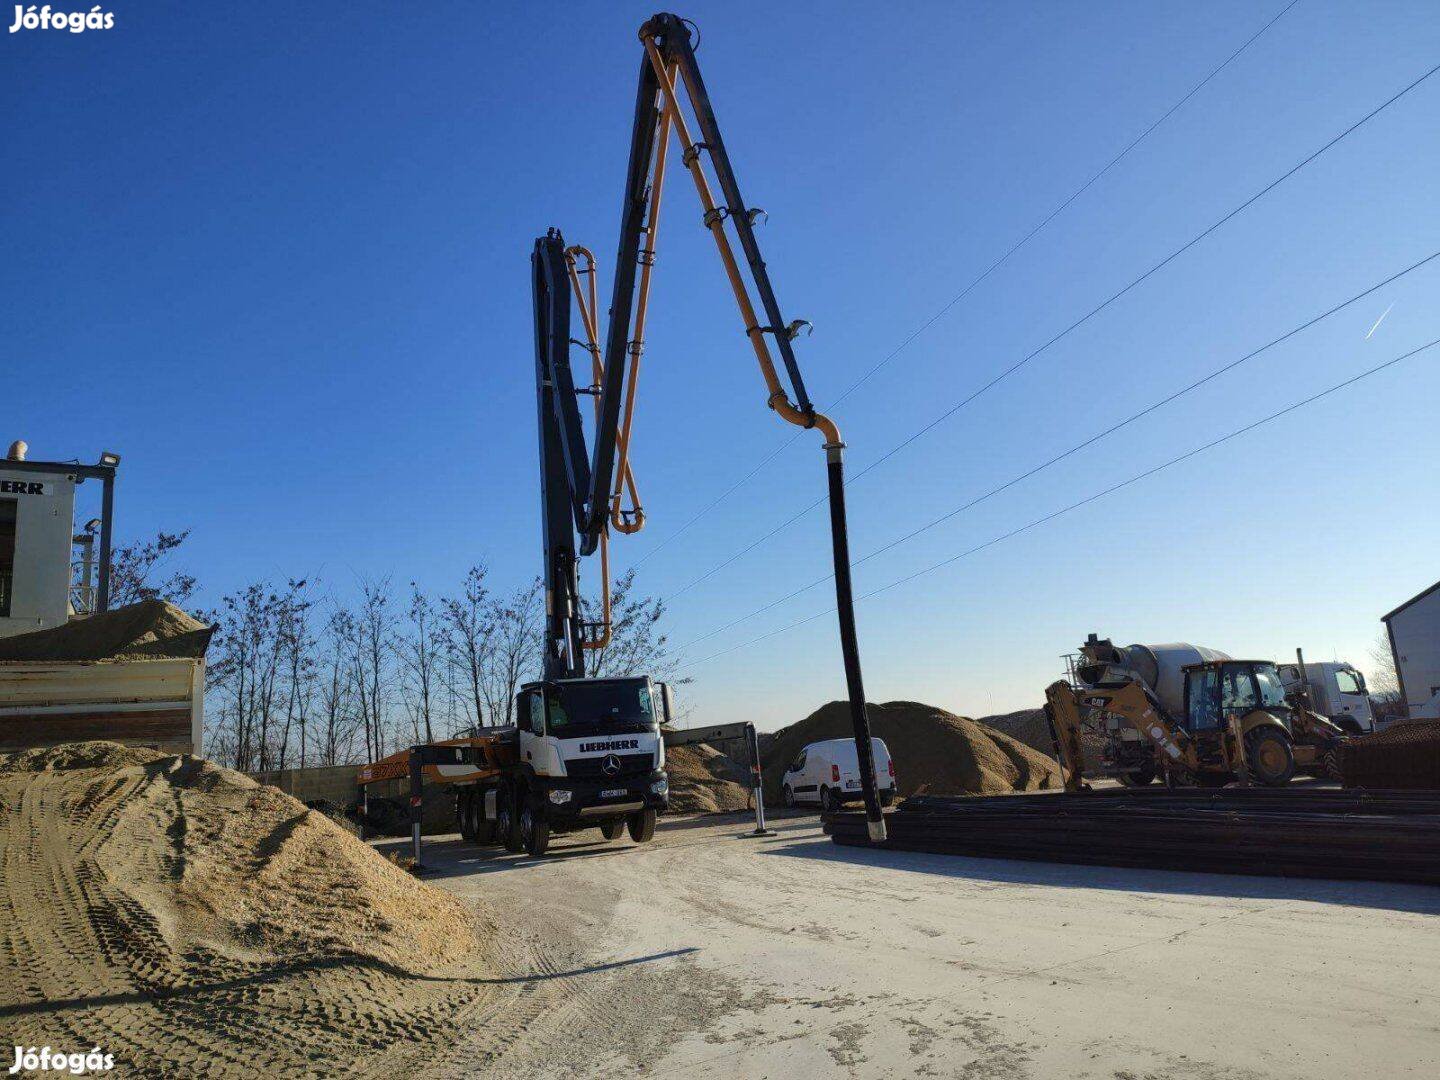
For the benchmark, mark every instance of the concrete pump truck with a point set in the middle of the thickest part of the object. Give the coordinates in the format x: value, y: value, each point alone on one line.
x: 588, y: 752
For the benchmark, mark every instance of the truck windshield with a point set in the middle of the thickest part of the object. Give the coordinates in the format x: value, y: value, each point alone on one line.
x: 1349, y: 682
x: 610, y: 705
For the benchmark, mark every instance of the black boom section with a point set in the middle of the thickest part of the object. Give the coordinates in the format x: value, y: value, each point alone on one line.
x: 564, y: 470
x: 672, y: 37
x: 622, y: 304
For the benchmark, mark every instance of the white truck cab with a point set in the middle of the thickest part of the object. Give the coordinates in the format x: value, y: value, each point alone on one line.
x: 827, y: 774
x: 1337, y: 691
x: 594, y: 745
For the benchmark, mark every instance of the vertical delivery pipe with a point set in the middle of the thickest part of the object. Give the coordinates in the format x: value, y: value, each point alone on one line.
x: 849, y: 646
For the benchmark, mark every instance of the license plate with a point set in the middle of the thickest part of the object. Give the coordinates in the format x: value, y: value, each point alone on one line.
x: 610, y: 793
x: 852, y: 785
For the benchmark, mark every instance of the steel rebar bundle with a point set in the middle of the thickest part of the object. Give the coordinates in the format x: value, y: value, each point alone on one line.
x: 1374, y: 835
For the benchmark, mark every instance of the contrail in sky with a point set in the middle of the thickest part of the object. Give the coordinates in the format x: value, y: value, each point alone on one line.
x: 1380, y: 320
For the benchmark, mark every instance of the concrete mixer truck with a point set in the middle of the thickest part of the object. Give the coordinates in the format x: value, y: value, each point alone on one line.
x: 1189, y: 714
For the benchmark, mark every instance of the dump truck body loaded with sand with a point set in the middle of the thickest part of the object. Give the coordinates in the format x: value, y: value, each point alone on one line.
x: 133, y: 675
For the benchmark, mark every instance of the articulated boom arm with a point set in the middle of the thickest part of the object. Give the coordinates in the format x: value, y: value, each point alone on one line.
x: 582, y: 495
x: 1133, y: 704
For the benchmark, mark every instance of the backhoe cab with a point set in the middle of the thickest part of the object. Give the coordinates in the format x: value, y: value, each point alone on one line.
x: 1229, y: 721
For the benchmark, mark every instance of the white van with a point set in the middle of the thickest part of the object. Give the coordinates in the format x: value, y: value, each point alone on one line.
x: 827, y: 774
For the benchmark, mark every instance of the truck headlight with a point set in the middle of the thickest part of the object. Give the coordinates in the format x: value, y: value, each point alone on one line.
x: 659, y: 787
x: 560, y: 796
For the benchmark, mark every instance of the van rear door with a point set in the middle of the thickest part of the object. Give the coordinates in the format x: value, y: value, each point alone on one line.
x: 848, y: 760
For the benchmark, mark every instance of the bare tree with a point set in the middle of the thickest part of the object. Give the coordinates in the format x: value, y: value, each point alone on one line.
x: 297, y: 646
x: 134, y: 572
x: 637, y: 646
x: 1381, y: 677
x: 420, y: 648
x: 283, y: 689
x: 515, y: 651
x: 371, y: 655
x: 336, y: 695
x: 469, y: 629
x: 250, y: 668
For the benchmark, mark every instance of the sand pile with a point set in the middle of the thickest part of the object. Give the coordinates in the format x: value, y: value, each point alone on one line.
x: 1027, y: 725
x: 705, y: 781
x: 934, y: 751
x: 1031, y: 728
x: 191, y: 920
x: 150, y: 629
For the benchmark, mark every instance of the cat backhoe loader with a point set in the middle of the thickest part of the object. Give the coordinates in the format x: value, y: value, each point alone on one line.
x: 1234, y: 723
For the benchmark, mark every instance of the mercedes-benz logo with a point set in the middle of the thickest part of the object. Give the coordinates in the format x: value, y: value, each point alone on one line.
x: 611, y: 765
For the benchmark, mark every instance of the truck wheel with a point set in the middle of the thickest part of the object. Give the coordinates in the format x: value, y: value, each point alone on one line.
x: 611, y: 830
x: 787, y: 797
x: 642, y: 826
x: 507, y: 829
x: 534, y: 830
x: 467, y: 805
x: 1268, y: 754
x: 482, y: 831
x: 482, y: 826
x: 827, y: 802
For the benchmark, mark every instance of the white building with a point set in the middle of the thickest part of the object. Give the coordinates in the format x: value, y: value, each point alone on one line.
x: 1414, y: 629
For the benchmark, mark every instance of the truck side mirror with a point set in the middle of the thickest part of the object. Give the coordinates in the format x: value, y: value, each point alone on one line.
x: 667, y: 704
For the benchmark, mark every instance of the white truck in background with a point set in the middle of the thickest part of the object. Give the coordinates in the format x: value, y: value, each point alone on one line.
x: 1337, y: 691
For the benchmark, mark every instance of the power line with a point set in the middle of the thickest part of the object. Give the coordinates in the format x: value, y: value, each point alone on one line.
x: 782, y: 447
x: 1085, y: 501
x: 1152, y: 407
x: 1075, y: 325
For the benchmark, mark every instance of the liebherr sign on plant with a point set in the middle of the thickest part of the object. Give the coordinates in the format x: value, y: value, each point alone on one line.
x: 22, y: 487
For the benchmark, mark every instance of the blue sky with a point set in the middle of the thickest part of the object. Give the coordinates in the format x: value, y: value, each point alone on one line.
x: 277, y: 257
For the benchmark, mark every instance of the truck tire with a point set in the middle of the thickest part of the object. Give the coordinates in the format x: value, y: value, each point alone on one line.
x: 507, y: 828
x: 1269, y: 756
x: 827, y: 802
x: 534, y: 830
x: 482, y: 830
x: 465, y: 815
x: 787, y: 796
x: 611, y: 830
x: 484, y: 827
x: 642, y: 826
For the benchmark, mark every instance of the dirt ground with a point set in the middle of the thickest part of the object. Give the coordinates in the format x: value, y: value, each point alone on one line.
x: 710, y: 953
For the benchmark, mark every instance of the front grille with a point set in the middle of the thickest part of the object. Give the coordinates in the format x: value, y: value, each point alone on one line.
x: 594, y: 768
